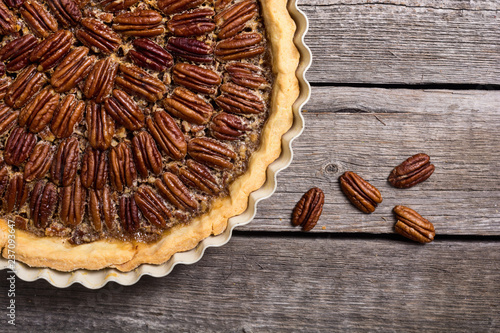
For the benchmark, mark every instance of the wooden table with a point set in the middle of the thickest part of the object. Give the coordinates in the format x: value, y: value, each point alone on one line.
x: 390, y: 79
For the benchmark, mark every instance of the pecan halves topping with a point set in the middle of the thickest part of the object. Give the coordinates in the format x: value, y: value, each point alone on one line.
x: 122, y: 167
x: 149, y: 55
x: 43, y: 203
x: 234, y: 19
x: 122, y: 108
x: 101, y: 208
x: 412, y: 225
x: 40, y: 161
x: 16, y: 194
x: 241, y: 46
x: 16, y: 53
x: 190, y: 49
x: 7, y: 20
x: 100, y: 126
x: 39, y: 111
x: 246, y: 75
x: 72, y: 69
x: 138, y: 82
x: 73, y: 203
x: 94, y: 172
x: 129, y: 214
x: 146, y: 154
x: 98, y: 36
x: 227, y: 126
x: 211, y: 153
x: 198, y: 176
x: 177, y: 6
x: 68, y: 115
x: 100, y: 81
x: 188, y: 106
x: 141, y: 23
x: 167, y: 135
x: 360, y: 193
x: 27, y: 84
x: 52, y: 50
x: 309, y: 208
x: 411, y: 172
x: 236, y: 99
x: 117, y: 5
x: 152, y: 206
x: 41, y: 22
x: 172, y: 189
x: 19, y: 146
x: 65, y: 165
x: 196, y: 78
x: 66, y: 12
x: 7, y: 118
x: 195, y: 23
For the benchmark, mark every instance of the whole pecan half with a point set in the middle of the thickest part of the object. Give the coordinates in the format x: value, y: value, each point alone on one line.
x: 16, y: 194
x: 101, y: 208
x: 146, y: 154
x: 122, y: 167
x: 227, y: 126
x: 117, y: 5
x: 138, y: 82
x: 234, y: 19
x: 309, y: 208
x: 27, y: 84
x: 72, y: 69
x: 98, y: 36
x: 177, y: 6
x: 4, y: 85
x: 211, y: 152
x: 172, y: 189
x: 41, y: 22
x: 190, y: 49
x: 198, y: 176
x: 360, y: 193
x: 94, y: 172
x: 411, y: 172
x: 73, y: 203
x: 241, y: 46
x: 68, y: 115
x: 199, y: 79
x: 7, y: 118
x: 52, y: 50
x: 66, y: 12
x: 129, y: 214
x: 100, y: 81
x: 167, y: 135
x: 19, y: 146
x: 149, y: 55
x: 195, y: 23
x: 412, y: 225
x: 152, y: 206
x: 43, y: 203
x: 16, y: 53
x: 236, y: 99
x: 188, y: 106
x: 7, y: 20
x: 246, y: 75
x: 122, y: 108
x: 141, y: 23
x: 40, y: 161
x: 39, y: 111
x: 65, y: 165
x: 100, y: 126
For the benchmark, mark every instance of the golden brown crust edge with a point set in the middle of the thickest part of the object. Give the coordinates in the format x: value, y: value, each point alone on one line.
x: 58, y: 254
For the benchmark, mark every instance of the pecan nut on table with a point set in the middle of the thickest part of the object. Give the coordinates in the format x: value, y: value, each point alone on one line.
x: 360, y: 193
x: 412, y: 225
x: 309, y: 208
x: 411, y: 172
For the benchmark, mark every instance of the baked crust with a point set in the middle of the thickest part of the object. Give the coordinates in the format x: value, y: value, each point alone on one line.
x: 59, y: 254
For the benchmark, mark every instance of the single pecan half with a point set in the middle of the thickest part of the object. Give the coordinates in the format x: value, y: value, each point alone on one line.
x: 141, y: 23
x: 26, y: 85
x: 198, y: 176
x: 241, y: 46
x: 7, y: 118
x: 16, y: 194
x: 195, y: 23
x: 100, y: 126
x: 167, y: 135
x: 360, y: 193
x: 190, y: 49
x: 177, y: 6
x: 40, y: 161
x: 211, y: 152
x: 309, y: 208
x: 4, y: 85
x: 65, y: 165
x: 52, y: 50
x: 122, y: 167
x: 236, y: 99
x: 246, y: 75
x: 122, y: 108
x: 412, y: 225
x: 188, y: 106
x: 19, y: 146
x: 138, y: 82
x: 68, y: 115
x: 146, y: 154
x: 7, y: 20
x: 72, y: 69
x: 172, y: 189
x: 94, y: 172
x: 129, y: 214
x: 152, y: 206
x: 149, y: 55
x: 100, y: 81
x: 73, y: 203
x: 16, y: 53
x: 199, y: 79
x: 117, y: 5
x: 101, y: 208
x: 234, y: 19
x: 43, y: 201
x: 98, y: 36
x: 41, y: 22
x: 227, y: 126
x: 39, y: 111
x: 66, y: 12
x: 411, y: 172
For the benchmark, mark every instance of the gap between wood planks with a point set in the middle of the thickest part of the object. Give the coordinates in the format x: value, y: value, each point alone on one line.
x: 435, y: 86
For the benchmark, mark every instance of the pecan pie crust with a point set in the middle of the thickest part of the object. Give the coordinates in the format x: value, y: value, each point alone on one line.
x: 58, y: 252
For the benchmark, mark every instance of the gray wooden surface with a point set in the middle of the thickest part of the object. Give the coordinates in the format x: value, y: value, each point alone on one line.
x: 390, y: 79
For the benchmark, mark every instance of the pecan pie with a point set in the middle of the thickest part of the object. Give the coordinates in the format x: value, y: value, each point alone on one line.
x: 131, y: 130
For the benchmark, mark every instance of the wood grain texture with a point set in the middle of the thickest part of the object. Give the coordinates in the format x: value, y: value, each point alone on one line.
x: 369, y: 131
x: 404, y: 41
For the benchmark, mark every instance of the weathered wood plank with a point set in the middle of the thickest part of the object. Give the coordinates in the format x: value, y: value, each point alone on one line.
x: 404, y: 42
x: 370, y: 131
x: 282, y: 284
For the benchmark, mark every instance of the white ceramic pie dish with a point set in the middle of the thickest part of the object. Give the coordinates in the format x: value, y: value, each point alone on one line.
x: 97, y: 279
